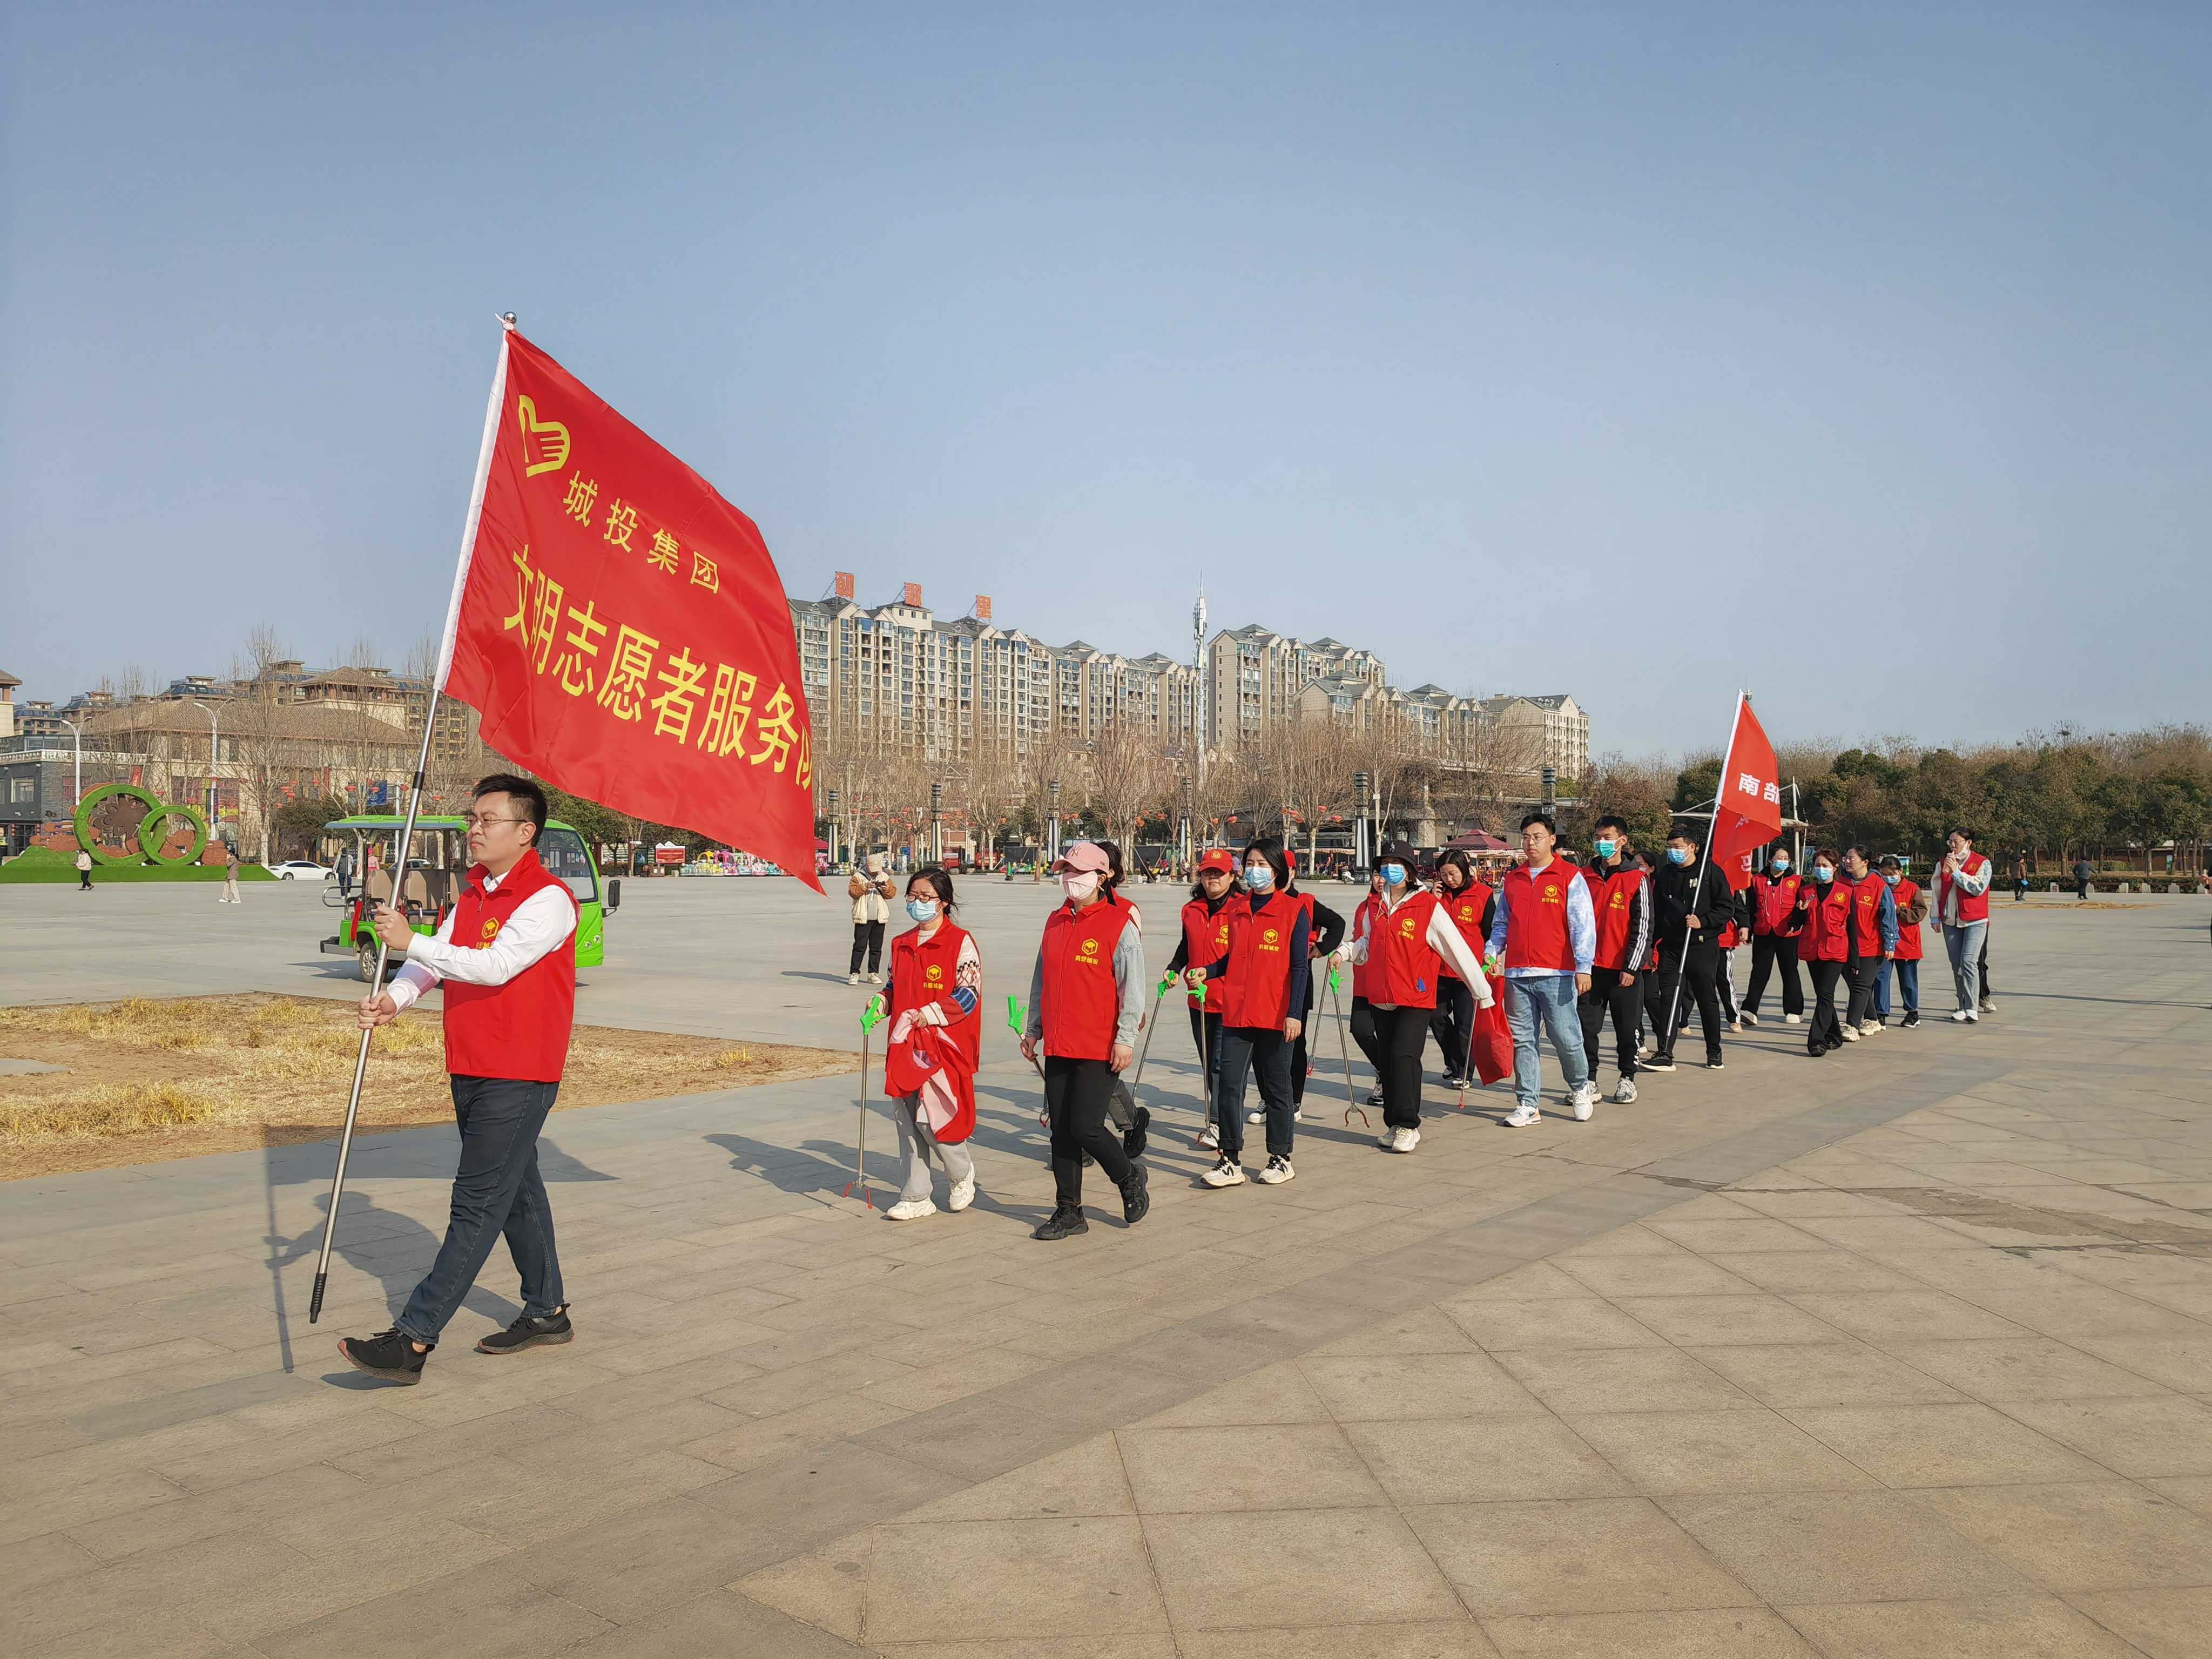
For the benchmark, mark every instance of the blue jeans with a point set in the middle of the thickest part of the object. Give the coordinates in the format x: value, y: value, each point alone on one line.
x: 1260, y: 1050
x: 1964, y: 943
x: 1908, y: 987
x: 496, y: 1189
x: 1550, y: 999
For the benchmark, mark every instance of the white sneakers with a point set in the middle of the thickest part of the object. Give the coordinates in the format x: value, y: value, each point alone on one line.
x: 1849, y: 1031
x: 1869, y: 1027
x: 1792, y: 1019
x: 911, y: 1209
x: 1965, y: 1015
x: 963, y: 1194
x: 1749, y: 1018
x: 1227, y: 1173
x: 1278, y: 1171
x: 1401, y: 1140
x: 851, y: 979
x: 1521, y: 1117
x: 1388, y: 1140
x: 1626, y: 1094
x: 1255, y: 1117
x: 1583, y: 1101
x: 1209, y: 1140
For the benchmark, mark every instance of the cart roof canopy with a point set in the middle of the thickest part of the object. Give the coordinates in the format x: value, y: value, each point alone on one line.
x: 394, y: 821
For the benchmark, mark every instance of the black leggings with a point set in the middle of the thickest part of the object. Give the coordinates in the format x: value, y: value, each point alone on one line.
x: 868, y: 941
x: 1862, y: 971
x: 1625, y: 1002
x: 1075, y: 1094
x: 1452, y: 1025
x: 1399, y: 1036
x: 1824, y: 1032
x: 1768, y: 952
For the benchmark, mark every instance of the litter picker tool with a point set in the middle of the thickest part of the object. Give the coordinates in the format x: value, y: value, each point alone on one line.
x: 871, y: 1016
x: 1344, y: 1047
x: 1166, y: 985
x: 1016, y: 1017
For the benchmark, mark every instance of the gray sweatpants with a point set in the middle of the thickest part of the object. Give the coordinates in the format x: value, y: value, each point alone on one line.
x: 915, y: 1145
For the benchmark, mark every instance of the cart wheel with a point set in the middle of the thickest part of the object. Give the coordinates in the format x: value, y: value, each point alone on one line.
x: 367, y: 954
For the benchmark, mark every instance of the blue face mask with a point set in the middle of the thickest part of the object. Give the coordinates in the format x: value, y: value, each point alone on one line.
x: 1258, y: 877
x: 1778, y: 865
x: 921, y: 909
x: 1822, y: 874
x: 1678, y: 854
x: 1605, y: 849
x: 1394, y: 875
x: 1891, y: 880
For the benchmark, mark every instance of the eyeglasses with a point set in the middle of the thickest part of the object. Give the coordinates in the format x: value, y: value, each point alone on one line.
x: 477, y: 821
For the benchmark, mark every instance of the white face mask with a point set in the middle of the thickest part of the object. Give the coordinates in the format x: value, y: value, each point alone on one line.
x: 1079, y: 885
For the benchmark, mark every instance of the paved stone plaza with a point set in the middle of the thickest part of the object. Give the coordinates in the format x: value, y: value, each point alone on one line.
x: 1908, y: 1352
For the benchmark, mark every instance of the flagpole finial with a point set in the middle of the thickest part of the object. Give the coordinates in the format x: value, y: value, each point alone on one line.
x: 507, y: 320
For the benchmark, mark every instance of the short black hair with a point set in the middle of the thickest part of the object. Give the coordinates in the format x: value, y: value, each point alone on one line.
x: 1544, y: 818
x: 527, y: 793
x: 1609, y: 821
x: 1889, y: 862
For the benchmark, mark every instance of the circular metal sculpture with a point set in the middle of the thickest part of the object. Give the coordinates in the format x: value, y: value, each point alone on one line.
x: 153, y: 832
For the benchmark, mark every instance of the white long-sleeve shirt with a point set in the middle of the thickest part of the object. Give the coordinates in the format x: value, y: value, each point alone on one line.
x: 1443, y: 938
x: 1581, y: 929
x: 540, y: 923
x: 1972, y: 883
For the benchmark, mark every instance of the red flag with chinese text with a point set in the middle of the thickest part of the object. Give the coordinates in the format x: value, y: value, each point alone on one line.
x: 621, y: 626
x: 1748, y: 813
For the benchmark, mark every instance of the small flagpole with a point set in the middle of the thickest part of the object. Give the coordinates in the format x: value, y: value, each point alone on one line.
x: 414, y: 803
x: 1705, y: 858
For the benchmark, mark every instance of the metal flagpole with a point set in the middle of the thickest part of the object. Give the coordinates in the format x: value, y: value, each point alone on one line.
x: 1706, y: 858
x: 413, y: 806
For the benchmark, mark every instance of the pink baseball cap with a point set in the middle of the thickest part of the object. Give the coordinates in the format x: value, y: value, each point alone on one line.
x: 1082, y: 855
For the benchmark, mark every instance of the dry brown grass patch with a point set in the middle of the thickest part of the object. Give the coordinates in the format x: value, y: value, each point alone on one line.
x: 155, y: 1078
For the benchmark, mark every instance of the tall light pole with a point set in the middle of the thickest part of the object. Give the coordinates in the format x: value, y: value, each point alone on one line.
x: 215, y: 752
x: 1198, y: 666
x: 833, y: 826
x: 79, y: 731
x: 1052, y: 834
x: 936, y: 823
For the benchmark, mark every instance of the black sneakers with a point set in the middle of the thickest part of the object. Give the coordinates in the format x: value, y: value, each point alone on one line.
x: 389, y: 1354
x: 1911, y: 1019
x: 1135, y: 1198
x: 1064, y: 1222
x: 1133, y: 1138
x: 529, y: 1332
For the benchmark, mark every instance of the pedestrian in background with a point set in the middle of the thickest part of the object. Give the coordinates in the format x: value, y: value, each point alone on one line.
x: 1962, y: 902
x: 2020, y: 879
x: 83, y: 870
x: 869, y: 890
x: 230, y: 878
x: 345, y: 875
x: 2082, y: 870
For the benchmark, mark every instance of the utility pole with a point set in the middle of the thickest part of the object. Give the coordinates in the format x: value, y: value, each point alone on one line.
x: 79, y: 731
x: 215, y: 754
x: 1204, y: 687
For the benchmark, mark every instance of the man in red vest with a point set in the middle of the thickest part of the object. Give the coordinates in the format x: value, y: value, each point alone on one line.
x: 1546, y: 932
x: 509, y: 973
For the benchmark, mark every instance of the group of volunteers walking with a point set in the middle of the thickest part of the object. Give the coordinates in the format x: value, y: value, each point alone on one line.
x: 1566, y: 944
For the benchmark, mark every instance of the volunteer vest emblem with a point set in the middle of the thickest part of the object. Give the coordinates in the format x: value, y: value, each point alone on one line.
x: 934, y: 974
x: 1088, y: 950
x: 544, y: 443
x: 1270, y: 939
x: 490, y: 932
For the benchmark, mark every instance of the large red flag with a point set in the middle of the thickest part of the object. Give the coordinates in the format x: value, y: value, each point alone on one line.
x: 1748, y: 812
x: 621, y: 626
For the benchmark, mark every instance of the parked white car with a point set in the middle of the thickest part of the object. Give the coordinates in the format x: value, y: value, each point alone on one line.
x: 301, y: 870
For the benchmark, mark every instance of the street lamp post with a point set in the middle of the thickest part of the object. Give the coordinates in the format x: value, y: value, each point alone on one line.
x: 79, y: 732
x: 936, y: 823
x: 1359, y: 832
x: 1052, y: 831
x: 214, y: 753
x: 833, y: 826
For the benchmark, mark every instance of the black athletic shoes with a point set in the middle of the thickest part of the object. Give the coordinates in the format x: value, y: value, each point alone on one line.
x: 1134, y: 1138
x: 389, y: 1354
x: 1135, y: 1198
x: 1064, y: 1222
x: 530, y: 1331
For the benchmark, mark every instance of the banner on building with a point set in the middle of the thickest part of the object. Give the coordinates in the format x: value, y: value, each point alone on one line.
x: 621, y: 628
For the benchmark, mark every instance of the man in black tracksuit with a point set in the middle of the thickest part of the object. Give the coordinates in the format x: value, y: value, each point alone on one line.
x: 1692, y: 904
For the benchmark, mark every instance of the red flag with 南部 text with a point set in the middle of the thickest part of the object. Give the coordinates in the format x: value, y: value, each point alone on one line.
x: 621, y: 626
x: 1748, y: 812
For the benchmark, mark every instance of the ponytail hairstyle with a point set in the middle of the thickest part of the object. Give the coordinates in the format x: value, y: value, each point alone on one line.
x: 1270, y: 849
x: 1111, y: 888
x: 939, y: 880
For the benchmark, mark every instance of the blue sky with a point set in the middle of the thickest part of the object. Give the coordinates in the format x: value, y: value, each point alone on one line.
x: 1856, y: 355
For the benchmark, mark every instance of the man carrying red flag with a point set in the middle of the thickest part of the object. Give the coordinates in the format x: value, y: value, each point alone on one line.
x: 510, y: 977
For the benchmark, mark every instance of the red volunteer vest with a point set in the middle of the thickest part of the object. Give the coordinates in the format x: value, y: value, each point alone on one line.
x: 923, y: 973
x: 1364, y: 920
x: 1205, y: 936
x: 519, y: 1029
x: 1401, y: 964
x: 1256, y: 986
x: 1908, y: 933
x: 1536, y: 934
x: 1772, y: 900
x: 1081, y: 1003
x: 1866, y: 913
x: 1972, y: 906
x: 1612, y: 897
x: 1826, y: 922
x: 1465, y: 908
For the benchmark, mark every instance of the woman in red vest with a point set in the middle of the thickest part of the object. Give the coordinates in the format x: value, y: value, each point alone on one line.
x: 1086, y: 996
x: 1911, y: 905
x: 1261, y: 982
x: 1874, y: 936
x: 1962, y: 909
x: 932, y: 1050
x: 1407, y: 939
x: 1470, y: 907
x: 1363, y: 1007
x: 1773, y: 903
x: 1324, y: 933
x: 1824, y: 945
x: 1205, y: 941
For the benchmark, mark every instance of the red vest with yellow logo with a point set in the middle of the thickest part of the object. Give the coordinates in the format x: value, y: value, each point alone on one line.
x: 1401, y: 963
x: 1256, y: 990
x: 1613, y: 900
x: 1368, y: 916
x: 1866, y: 914
x: 519, y: 1029
x: 1908, y: 932
x: 1536, y: 932
x: 1081, y: 1003
x: 1464, y: 907
x: 1827, y: 937
x: 1204, y: 936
